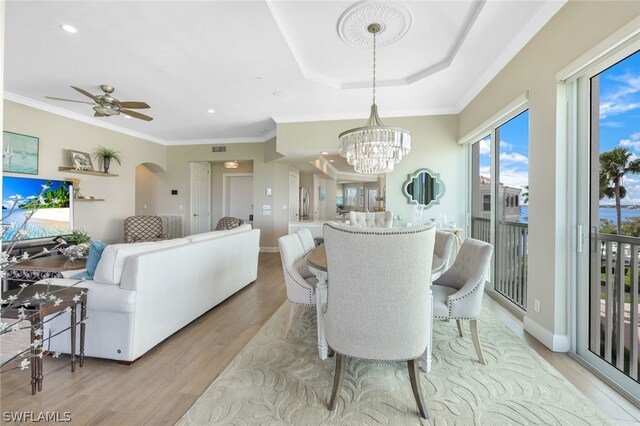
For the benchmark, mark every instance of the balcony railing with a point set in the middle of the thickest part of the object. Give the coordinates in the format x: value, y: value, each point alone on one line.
x: 511, y: 257
x: 613, y: 301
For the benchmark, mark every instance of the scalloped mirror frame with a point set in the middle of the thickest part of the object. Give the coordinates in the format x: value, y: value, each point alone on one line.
x: 434, y: 176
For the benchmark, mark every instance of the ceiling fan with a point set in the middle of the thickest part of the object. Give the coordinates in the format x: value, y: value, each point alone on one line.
x: 106, y: 105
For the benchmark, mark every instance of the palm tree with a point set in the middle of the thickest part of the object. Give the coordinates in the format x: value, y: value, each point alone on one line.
x: 614, y: 165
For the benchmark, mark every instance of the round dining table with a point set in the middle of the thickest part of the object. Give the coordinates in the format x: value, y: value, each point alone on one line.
x: 316, y: 260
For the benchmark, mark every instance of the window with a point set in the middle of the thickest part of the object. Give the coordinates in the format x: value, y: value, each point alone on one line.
x: 486, y: 203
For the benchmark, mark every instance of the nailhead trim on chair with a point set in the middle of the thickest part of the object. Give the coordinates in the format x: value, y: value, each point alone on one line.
x: 450, y: 300
x: 379, y: 360
x: 304, y: 287
x: 400, y: 231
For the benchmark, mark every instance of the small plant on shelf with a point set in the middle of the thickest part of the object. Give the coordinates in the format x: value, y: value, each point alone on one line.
x: 106, y: 155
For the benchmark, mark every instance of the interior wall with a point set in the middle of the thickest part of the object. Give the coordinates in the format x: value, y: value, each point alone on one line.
x: 103, y: 220
x: 330, y: 201
x: 146, y: 187
x: 434, y: 146
x: 576, y: 28
x: 217, y: 186
x: 177, y: 177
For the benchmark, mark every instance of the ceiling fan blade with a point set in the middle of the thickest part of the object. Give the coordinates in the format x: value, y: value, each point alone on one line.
x: 97, y: 114
x: 84, y: 92
x: 68, y: 100
x: 135, y: 114
x: 134, y: 105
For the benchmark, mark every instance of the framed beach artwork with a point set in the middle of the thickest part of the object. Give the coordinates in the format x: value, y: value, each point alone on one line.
x: 80, y: 160
x: 20, y: 154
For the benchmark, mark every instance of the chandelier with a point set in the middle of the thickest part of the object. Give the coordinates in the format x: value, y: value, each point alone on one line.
x: 374, y: 148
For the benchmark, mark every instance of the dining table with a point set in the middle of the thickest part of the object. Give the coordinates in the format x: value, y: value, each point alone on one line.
x: 316, y: 260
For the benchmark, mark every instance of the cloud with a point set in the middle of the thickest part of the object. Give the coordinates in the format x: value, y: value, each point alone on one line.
x: 506, y: 146
x: 485, y: 146
x: 632, y: 142
x: 612, y: 124
x: 514, y: 178
x: 608, y: 109
x: 514, y: 157
x: 621, y: 98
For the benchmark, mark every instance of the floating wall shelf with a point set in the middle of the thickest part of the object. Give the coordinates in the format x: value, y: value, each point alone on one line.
x: 85, y: 172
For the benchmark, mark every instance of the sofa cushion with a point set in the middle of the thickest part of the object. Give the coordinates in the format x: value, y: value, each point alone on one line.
x: 111, y: 264
x: 215, y: 234
x: 95, y: 253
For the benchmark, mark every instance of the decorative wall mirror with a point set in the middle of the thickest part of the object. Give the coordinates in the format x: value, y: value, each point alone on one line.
x: 423, y: 187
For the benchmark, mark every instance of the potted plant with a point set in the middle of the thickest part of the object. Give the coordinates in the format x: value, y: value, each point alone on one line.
x: 106, y: 155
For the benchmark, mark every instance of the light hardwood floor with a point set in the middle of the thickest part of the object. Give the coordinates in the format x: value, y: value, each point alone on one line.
x: 161, y: 386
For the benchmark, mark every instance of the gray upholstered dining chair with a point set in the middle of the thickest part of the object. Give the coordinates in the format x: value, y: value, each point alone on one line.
x: 299, y: 281
x: 306, y: 238
x: 443, y: 246
x: 371, y: 220
x: 378, y: 307
x: 457, y: 294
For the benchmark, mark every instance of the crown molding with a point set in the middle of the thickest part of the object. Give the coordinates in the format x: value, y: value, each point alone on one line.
x: 218, y: 141
x: 92, y: 121
x: 79, y: 117
x: 281, y: 119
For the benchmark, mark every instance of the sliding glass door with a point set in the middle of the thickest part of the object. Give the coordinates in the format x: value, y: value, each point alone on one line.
x: 499, y: 203
x: 607, y: 316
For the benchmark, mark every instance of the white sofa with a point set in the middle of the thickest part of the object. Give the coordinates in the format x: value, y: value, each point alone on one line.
x: 143, y: 293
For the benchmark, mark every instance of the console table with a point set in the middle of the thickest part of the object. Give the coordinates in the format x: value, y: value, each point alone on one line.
x: 32, y: 270
x: 37, y: 309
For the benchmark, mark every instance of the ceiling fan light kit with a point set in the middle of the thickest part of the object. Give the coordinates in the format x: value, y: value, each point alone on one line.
x: 106, y: 105
x: 374, y: 148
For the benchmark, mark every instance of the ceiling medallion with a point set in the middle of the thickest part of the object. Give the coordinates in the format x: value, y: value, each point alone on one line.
x: 393, y: 18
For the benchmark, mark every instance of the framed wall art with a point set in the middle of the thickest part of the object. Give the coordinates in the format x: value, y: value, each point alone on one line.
x: 20, y: 154
x: 80, y: 160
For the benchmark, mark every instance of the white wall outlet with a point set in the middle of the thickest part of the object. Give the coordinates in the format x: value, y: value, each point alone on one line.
x: 536, y: 305
x: 266, y: 207
x: 268, y: 192
x: 266, y: 212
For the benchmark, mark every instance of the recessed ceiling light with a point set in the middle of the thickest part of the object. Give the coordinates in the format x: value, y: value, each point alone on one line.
x: 211, y: 111
x: 280, y: 94
x: 324, y: 153
x: 331, y: 161
x: 69, y: 28
x: 126, y: 116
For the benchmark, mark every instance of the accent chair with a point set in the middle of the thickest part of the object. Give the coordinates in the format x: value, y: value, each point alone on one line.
x: 378, y: 305
x: 228, y: 222
x: 143, y: 228
x: 299, y: 281
x: 457, y: 294
x: 306, y: 238
x: 443, y: 246
x: 371, y: 220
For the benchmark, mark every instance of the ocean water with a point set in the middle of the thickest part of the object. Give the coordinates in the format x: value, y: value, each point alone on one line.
x: 35, y: 228
x: 21, y: 163
x: 608, y: 213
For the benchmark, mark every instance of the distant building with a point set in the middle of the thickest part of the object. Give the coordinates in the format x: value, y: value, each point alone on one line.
x: 509, y: 198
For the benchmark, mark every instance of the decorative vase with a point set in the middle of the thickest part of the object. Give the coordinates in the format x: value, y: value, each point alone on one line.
x: 106, y: 162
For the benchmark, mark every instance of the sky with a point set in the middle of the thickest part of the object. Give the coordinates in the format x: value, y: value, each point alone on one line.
x: 619, y: 126
x: 23, y: 186
x: 514, y: 152
x: 620, y: 115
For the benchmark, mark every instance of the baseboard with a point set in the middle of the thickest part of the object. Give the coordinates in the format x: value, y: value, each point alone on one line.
x: 555, y: 342
x: 269, y: 250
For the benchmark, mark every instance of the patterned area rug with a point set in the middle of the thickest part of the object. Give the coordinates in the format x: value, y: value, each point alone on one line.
x: 284, y: 382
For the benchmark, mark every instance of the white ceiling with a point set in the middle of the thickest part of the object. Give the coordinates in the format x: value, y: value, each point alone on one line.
x: 186, y: 57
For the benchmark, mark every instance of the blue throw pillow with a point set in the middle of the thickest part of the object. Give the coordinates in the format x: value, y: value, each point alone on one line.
x: 81, y: 276
x: 95, y: 253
